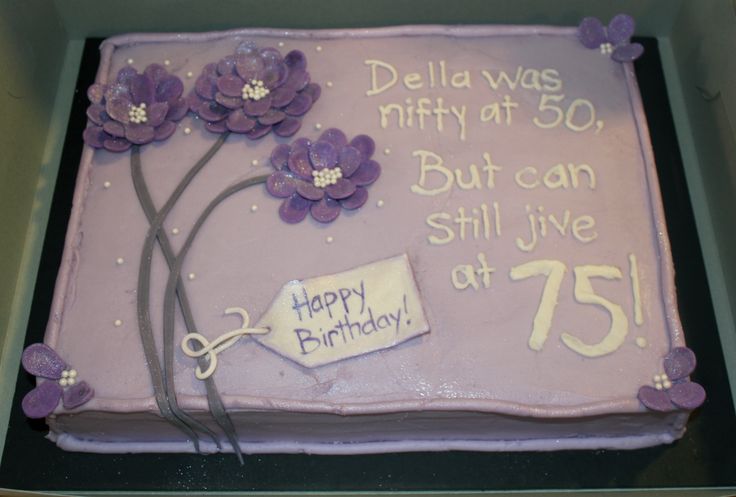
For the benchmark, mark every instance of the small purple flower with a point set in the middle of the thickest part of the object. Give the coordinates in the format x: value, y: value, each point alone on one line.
x: 323, y: 177
x: 61, y: 382
x: 254, y: 91
x: 135, y: 109
x: 612, y: 40
x: 673, y: 389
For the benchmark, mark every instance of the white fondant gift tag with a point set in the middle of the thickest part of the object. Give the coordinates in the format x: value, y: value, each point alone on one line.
x: 325, y: 319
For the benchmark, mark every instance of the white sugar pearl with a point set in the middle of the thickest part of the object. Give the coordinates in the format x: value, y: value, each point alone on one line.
x: 253, y: 208
x: 187, y: 131
x: 190, y: 74
x: 386, y: 151
x: 119, y: 261
x: 319, y: 48
x: 64, y: 373
x: 63, y: 382
x: 71, y: 381
x: 118, y: 323
x: 175, y: 231
x: 130, y: 61
x: 107, y: 184
x: 72, y: 373
x: 167, y: 62
x: 380, y: 203
x: 329, y: 239
x: 318, y: 126
x: 658, y: 386
x: 329, y: 84
x: 281, y: 43
x: 667, y: 383
x: 254, y: 162
x: 191, y: 276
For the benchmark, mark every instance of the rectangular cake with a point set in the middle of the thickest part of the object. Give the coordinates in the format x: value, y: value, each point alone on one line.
x: 360, y: 241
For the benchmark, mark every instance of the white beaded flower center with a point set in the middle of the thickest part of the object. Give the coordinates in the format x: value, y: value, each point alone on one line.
x: 137, y: 113
x: 662, y: 382
x: 606, y: 48
x: 326, y: 177
x: 254, y: 90
x: 68, y: 377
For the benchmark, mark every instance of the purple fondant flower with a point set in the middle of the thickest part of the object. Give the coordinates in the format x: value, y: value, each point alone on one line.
x: 673, y: 389
x: 612, y: 40
x: 254, y: 91
x: 61, y: 382
x: 323, y: 177
x: 135, y: 109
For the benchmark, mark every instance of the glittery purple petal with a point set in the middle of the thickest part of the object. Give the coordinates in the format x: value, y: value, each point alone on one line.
x: 326, y: 210
x: 621, y: 28
x: 272, y: 116
x: 301, y: 144
x: 229, y: 102
x: 238, y: 122
x: 313, y: 90
x: 591, y: 32
x: 257, y: 108
x: 280, y: 156
x: 156, y: 113
x: 287, y: 127
x: 206, y: 87
x: 294, y: 209
x: 226, y: 66
x: 342, y: 189
x: 688, y: 395
x: 116, y: 145
x: 213, y: 112
x: 299, y: 164
x: 41, y: 360
x: 295, y: 60
x: 139, y: 134
x: 177, y: 110
x: 270, y: 55
x: 118, y: 108
x: 259, y: 131
x: 309, y: 191
x: 679, y: 363
x: 156, y: 72
x: 42, y: 400
x: 164, y: 131
x: 96, y: 113
x: 356, y: 200
x: 323, y: 155
x: 247, y: 47
x: 77, y: 394
x: 96, y: 93
x: 336, y: 137
x: 194, y: 101
x: 298, y: 80
x: 210, y: 70
x: 142, y: 89
x: 656, y: 400
x: 169, y: 89
x: 273, y: 75
x: 349, y: 161
x: 114, y: 128
x: 216, y: 127
x: 94, y: 136
x: 627, y: 53
x: 126, y: 75
x: 231, y: 85
x: 367, y: 173
x: 117, y: 90
x: 299, y: 106
x: 249, y: 66
x: 365, y: 144
x: 280, y: 185
x: 281, y: 97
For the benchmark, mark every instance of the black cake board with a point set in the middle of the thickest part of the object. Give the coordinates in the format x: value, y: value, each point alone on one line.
x: 704, y: 458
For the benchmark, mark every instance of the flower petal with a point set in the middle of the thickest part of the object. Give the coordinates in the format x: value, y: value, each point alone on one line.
x: 194, y: 101
x: 294, y: 209
x: 628, y: 52
x: 216, y: 127
x: 356, y: 200
x: 156, y: 113
x: 323, y: 155
x: 177, y: 110
x: 142, y: 89
x: 164, y: 131
x: 96, y: 113
x: 300, y: 164
x: 238, y: 122
x: 336, y: 137
x: 281, y: 185
x: 679, y: 363
x: 342, y: 189
x: 621, y: 28
x: 280, y: 156
x: 591, y: 32
x: 272, y: 116
x: 231, y: 85
x: 212, y: 111
x: 270, y: 55
x: 656, y: 400
x: 126, y: 75
x: 206, y: 87
x: 257, y: 108
x: 259, y: 131
x: 229, y: 102
x: 41, y: 360
x: 96, y: 93
x: 139, y: 134
x: 76, y: 395
x: 226, y: 66
x: 687, y: 395
x: 365, y: 144
x: 168, y: 89
x: 313, y: 90
x: 274, y: 75
x: 156, y: 72
x: 309, y: 191
x: 281, y: 97
x: 116, y: 145
x: 299, y: 106
x: 287, y: 127
x: 118, y: 108
x: 249, y: 65
x: 298, y: 80
x: 301, y: 144
x: 115, y: 129
x: 349, y: 161
x: 367, y: 173
x: 326, y: 210
x: 295, y: 60
x: 94, y: 136
x: 42, y: 400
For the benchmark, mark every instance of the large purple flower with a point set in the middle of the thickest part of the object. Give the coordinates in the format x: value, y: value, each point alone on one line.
x: 254, y: 91
x: 323, y: 177
x: 135, y: 109
x: 612, y: 40
x: 673, y: 389
x: 61, y: 382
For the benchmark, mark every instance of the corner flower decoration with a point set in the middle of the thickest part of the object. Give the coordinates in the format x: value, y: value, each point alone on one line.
x: 254, y: 91
x: 135, y: 109
x: 673, y: 389
x: 61, y: 383
x: 613, y: 40
x: 323, y: 177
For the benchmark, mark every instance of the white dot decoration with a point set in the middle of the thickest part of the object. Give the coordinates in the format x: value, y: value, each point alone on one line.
x: 386, y: 151
x: 190, y: 74
x: 175, y: 231
x: 253, y: 208
x: 119, y: 261
x: 118, y: 323
x: 130, y: 61
x: 106, y: 184
x: 281, y: 43
x: 329, y: 239
x: 319, y: 48
x: 191, y: 276
x: 63, y: 382
x: 72, y: 373
x: 318, y: 126
x: 187, y: 131
x: 167, y: 62
x: 329, y: 84
x: 380, y: 203
x: 641, y: 342
x: 254, y: 162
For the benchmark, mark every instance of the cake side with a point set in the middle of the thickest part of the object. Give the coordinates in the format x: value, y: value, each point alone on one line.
x: 498, y: 181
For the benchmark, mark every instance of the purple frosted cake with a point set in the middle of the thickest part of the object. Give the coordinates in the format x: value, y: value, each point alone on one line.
x: 357, y: 241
